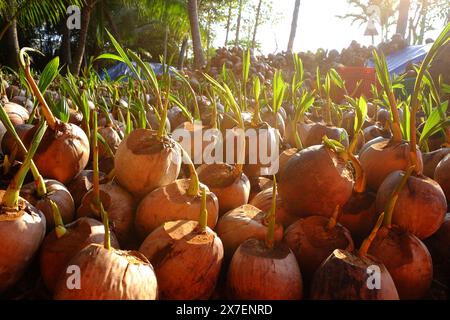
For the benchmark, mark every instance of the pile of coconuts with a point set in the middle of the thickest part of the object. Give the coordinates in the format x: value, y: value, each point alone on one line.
x: 96, y: 180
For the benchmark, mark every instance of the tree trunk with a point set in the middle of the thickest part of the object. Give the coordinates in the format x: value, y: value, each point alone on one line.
x: 13, y: 48
x: 238, y: 25
x: 199, y: 59
x: 79, y: 51
x: 228, y: 23
x: 258, y: 11
x: 12, y: 38
x: 65, y: 50
x: 293, y: 26
x: 182, y: 53
x: 111, y: 23
x: 423, y: 21
x: 403, y: 15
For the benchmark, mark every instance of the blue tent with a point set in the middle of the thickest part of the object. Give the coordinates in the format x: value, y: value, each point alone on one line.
x: 398, y: 61
x: 121, y: 69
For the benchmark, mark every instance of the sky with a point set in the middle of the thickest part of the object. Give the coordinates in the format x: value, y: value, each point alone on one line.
x: 318, y: 27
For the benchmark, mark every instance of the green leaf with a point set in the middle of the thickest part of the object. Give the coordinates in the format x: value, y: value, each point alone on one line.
x: 336, y: 79
x: 49, y: 74
x: 433, y: 122
x: 279, y: 89
x: 361, y: 114
x: 61, y: 110
x: 110, y: 56
x: 256, y: 87
x: 185, y: 112
x: 405, y: 122
x: 245, y: 66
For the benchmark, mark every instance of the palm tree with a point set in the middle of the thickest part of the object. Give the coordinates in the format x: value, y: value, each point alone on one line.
x: 238, y: 23
x: 28, y: 13
x: 365, y: 11
x: 199, y: 59
x: 403, y: 14
x: 293, y: 25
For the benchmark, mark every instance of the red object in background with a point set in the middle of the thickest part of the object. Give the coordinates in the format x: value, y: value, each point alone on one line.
x: 351, y: 76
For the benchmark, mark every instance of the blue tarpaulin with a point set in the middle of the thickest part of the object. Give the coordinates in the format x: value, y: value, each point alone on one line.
x: 398, y: 61
x: 121, y: 69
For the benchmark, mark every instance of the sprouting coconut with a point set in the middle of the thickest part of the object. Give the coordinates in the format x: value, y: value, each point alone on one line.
x: 315, y: 181
x: 421, y: 205
x: 40, y: 192
x: 403, y: 254
x: 178, y: 200
x: 344, y: 275
x: 228, y: 183
x: 387, y: 155
x: 55, y: 191
x: 314, y: 238
x: 64, y: 151
x: 147, y: 159
x: 108, y: 274
x: 119, y: 203
x: 65, y: 241
x: 22, y: 226
x: 263, y: 201
x: 187, y: 256
x: 246, y: 222
x: 263, y: 269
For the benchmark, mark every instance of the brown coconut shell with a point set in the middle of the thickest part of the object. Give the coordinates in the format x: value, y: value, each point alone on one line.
x: 258, y: 184
x: 170, y: 203
x: 120, y: 206
x: 56, y: 252
x: 343, y: 276
x: 62, y: 154
x: 109, y: 275
x: 439, y: 243
x: 315, y: 181
x: 383, y: 157
x: 259, y: 273
x: 143, y: 163
x: 312, y: 242
x: 243, y: 223
x: 232, y: 190
x: 432, y: 159
x: 22, y: 232
x: 263, y: 201
x: 187, y: 262
x: 442, y: 176
x: 111, y: 137
x: 16, y: 113
x: 82, y: 183
x: 56, y: 192
x: 421, y: 205
x: 283, y: 159
x: 359, y: 215
x: 407, y: 260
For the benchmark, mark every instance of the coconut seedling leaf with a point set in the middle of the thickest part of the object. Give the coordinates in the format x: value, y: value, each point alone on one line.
x: 434, y: 122
x: 361, y: 114
x: 336, y: 79
x: 49, y: 74
x: 405, y: 121
x: 279, y: 89
x: 245, y: 66
x: 193, y: 96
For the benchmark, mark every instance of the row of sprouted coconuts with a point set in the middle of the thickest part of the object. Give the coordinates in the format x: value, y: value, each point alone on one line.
x: 341, y: 211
